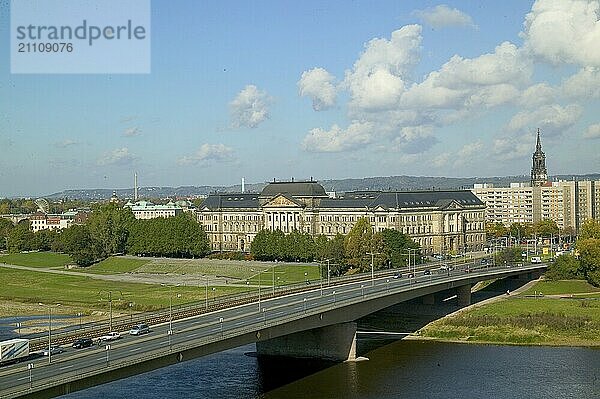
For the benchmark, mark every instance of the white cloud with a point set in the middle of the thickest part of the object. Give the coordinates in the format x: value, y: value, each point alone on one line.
x: 488, y: 80
x: 552, y: 119
x: 512, y: 148
x: 442, y: 16
x: 66, y: 143
x: 537, y: 95
x: 376, y: 80
x: 118, y: 156
x: 441, y: 160
x: 584, y: 84
x: 249, y: 108
x: 319, y: 85
x: 415, y: 139
x: 208, y: 153
x: 337, y: 139
x: 132, y: 131
x: 564, y: 31
x: 592, y: 132
x: 470, y: 149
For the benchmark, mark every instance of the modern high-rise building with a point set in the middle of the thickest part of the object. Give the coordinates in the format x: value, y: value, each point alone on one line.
x: 568, y: 203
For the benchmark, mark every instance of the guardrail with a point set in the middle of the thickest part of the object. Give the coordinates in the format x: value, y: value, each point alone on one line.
x: 124, y: 323
x: 372, y: 292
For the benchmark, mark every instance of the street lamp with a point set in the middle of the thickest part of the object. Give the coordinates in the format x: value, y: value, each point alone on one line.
x: 49, y: 329
x: 79, y: 314
x: 110, y: 307
x: 221, y: 322
x: 170, y: 308
x: 372, y: 266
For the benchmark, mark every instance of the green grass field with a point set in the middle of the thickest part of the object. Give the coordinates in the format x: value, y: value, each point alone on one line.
x: 519, y: 320
x: 37, y: 259
x: 561, y: 287
x: 284, y: 274
x: 86, y: 293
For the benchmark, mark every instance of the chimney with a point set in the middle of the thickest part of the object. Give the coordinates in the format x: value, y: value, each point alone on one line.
x: 135, y: 187
x: 243, y: 185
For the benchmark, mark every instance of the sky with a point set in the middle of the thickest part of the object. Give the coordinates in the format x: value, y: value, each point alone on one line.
x: 328, y: 89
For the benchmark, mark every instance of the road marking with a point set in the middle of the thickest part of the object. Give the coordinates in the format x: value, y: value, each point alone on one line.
x: 67, y: 367
x: 192, y: 335
x: 134, y: 349
x: 23, y: 378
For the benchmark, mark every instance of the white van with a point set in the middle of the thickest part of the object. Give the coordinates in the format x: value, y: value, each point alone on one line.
x: 536, y: 259
x: 139, y: 329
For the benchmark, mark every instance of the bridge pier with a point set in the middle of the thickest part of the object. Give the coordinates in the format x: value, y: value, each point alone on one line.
x: 463, y: 295
x: 336, y: 342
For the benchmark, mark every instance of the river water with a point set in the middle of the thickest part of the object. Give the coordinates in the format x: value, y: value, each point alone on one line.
x: 400, y: 369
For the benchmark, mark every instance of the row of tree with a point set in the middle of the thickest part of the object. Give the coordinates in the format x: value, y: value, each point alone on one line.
x: 355, y: 250
x: 542, y: 228
x: 109, y: 230
x: 587, y: 264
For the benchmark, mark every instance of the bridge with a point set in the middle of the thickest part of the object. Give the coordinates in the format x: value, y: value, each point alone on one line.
x: 15, y: 218
x: 318, y: 320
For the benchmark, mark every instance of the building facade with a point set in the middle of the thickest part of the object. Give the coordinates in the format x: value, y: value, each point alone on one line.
x: 439, y: 221
x: 568, y: 203
x: 45, y: 221
x: 148, y: 210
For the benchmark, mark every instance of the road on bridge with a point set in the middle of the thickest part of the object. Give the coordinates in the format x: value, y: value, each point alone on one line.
x: 200, y: 330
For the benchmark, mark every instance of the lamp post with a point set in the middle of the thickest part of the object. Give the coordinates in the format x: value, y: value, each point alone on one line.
x: 372, y: 266
x: 221, y: 322
x: 30, y: 367
x: 49, y: 329
x: 110, y: 319
x: 79, y: 314
x: 170, y: 332
x: 206, y: 294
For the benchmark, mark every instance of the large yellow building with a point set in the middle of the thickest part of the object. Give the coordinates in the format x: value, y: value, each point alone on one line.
x: 439, y: 221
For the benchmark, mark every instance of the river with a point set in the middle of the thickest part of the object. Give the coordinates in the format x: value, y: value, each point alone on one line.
x: 400, y: 369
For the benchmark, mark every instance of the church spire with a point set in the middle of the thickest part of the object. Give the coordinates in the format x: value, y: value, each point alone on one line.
x: 539, y: 174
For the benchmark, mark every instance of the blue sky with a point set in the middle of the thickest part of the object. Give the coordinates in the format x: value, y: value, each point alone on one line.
x: 330, y: 89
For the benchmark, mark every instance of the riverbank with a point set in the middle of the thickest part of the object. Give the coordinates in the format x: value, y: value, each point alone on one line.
x: 570, y: 316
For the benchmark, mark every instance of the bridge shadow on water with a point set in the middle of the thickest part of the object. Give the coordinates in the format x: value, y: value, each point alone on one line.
x: 406, y: 317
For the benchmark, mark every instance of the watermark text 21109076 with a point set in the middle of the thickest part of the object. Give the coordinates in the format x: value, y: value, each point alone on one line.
x: 80, y: 36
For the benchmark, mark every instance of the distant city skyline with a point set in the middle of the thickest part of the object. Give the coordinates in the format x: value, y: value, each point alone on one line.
x: 326, y: 89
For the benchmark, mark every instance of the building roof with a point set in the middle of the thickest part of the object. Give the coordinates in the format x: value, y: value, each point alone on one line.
x: 295, y: 189
x: 233, y: 200
x: 357, y: 199
x: 400, y: 199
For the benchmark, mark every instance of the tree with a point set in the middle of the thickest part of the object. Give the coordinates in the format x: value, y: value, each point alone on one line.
x: 5, y: 227
x: 509, y: 255
x: 589, y: 256
x: 109, y: 228
x: 395, y: 247
x: 495, y: 230
x: 77, y: 242
x: 590, y: 229
x: 20, y: 238
x: 546, y: 228
x: 518, y: 230
x: 43, y: 240
x: 566, y: 267
x: 180, y: 236
x: 358, y: 242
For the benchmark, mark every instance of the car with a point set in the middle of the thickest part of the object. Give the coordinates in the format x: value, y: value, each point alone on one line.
x: 536, y: 259
x: 111, y: 336
x: 55, y: 350
x: 81, y: 343
x: 410, y: 275
x: 426, y: 272
x: 483, y: 262
x: 139, y: 329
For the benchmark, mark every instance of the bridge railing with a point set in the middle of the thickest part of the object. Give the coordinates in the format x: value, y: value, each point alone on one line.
x: 179, y: 311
